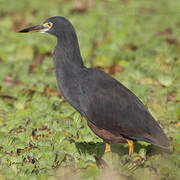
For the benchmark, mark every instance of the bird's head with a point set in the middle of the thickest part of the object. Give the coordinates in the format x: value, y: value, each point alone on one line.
x: 56, y: 26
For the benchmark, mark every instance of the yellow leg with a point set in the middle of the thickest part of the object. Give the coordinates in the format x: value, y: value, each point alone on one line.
x: 108, y: 148
x: 82, y: 118
x: 131, y: 146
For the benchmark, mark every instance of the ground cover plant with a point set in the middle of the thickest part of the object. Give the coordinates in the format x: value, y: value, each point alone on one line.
x: 41, y: 135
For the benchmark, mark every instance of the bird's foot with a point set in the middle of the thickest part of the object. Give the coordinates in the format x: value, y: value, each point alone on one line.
x: 136, y: 161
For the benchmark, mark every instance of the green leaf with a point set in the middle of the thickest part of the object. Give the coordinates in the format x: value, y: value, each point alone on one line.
x: 165, y: 80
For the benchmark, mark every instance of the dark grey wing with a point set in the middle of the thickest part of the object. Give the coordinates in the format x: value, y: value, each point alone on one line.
x: 111, y: 106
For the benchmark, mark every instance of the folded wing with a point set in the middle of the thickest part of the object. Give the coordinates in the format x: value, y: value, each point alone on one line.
x: 109, y: 105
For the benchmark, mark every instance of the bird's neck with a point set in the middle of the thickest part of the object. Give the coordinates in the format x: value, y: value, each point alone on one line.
x: 67, y: 53
x: 68, y: 64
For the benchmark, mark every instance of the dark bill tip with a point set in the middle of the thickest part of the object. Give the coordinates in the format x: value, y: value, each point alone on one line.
x: 32, y: 29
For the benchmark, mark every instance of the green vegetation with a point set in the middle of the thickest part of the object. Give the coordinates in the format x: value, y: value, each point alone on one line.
x: 41, y: 135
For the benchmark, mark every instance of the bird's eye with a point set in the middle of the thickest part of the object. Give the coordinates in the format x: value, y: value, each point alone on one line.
x: 48, y: 24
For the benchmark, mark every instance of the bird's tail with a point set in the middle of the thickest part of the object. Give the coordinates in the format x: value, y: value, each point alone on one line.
x: 158, y: 138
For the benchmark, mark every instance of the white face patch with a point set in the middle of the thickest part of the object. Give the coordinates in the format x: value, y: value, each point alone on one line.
x: 43, y: 30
